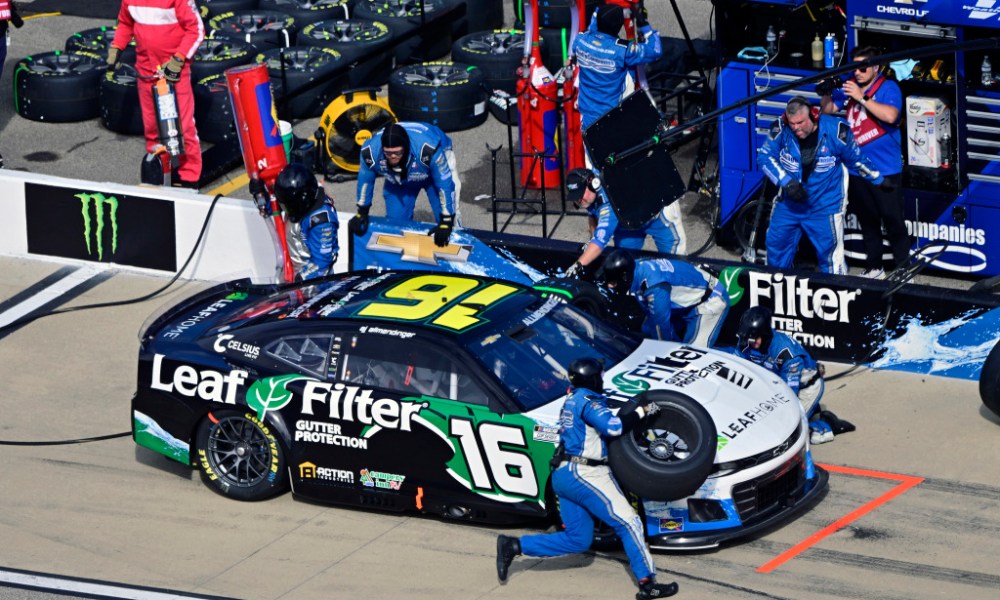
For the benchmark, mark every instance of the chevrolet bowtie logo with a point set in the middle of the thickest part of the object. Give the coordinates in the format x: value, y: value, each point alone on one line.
x: 418, y: 248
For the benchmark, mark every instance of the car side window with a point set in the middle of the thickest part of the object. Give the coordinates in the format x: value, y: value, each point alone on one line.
x: 308, y: 353
x: 409, y: 368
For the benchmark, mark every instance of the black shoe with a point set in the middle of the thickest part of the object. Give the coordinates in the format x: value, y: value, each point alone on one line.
x: 650, y: 589
x: 507, y: 548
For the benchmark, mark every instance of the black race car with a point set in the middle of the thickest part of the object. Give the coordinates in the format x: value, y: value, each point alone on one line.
x: 440, y: 393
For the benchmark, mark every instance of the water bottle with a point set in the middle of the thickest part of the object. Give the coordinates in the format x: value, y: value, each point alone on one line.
x: 828, y: 52
x: 987, y: 69
x: 772, y: 42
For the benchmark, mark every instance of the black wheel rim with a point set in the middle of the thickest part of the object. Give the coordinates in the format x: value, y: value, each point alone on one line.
x: 218, y: 49
x: 496, y: 42
x: 434, y: 75
x: 239, y: 452
x: 62, y: 63
x: 348, y: 31
x: 666, y: 438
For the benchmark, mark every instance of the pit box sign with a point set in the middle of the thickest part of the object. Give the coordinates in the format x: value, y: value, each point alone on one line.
x: 100, y: 226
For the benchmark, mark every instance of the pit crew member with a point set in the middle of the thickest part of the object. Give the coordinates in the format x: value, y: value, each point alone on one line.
x: 804, y: 155
x: 585, y: 485
x: 167, y: 34
x: 682, y: 302
x: 412, y: 156
x: 311, y: 227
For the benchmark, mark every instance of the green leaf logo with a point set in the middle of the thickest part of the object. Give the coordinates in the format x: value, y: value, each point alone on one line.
x: 629, y: 386
x: 237, y: 296
x: 730, y: 277
x: 723, y: 441
x: 270, y: 393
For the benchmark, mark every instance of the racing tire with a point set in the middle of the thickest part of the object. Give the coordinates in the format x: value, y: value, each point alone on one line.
x: 264, y: 29
x: 360, y: 40
x: 442, y: 93
x: 240, y: 457
x: 989, y: 380
x: 59, y: 87
x: 496, y: 53
x: 97, y: 40
x: 213, y: 110
x: 215, y: 55
x: 308, y: 11
x: 211, y: 8
x: 679, y: 457
x: 403, y: 16
x: 303, y: 67
x: 119, y: 99
x: 582, y: 294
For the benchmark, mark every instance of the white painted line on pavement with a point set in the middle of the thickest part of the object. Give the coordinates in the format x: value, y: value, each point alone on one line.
x: 48, y: 294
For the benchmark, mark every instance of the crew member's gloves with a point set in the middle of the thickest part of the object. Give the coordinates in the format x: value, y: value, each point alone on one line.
x: 172, y: 70
x: 795, y: 192
x: 573, y: 271
x: 647, y: 408
x: 16, y: 20
x: 358, y: 225
x: 887, y: 186
x: 114, y: 56
x: 641, y: 16
x: 442, y: 232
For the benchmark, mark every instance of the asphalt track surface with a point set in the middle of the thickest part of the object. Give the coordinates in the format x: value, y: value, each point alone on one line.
x: 911, y: 511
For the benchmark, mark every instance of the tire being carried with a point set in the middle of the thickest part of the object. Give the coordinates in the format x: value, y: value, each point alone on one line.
x: 670, y: 453
x: 239, y: 456
x: 442, y: 93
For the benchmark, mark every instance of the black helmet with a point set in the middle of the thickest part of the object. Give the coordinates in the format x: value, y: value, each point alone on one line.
x: 755, y: 323
x: 586, y: 373
x: 296, y: 190
x: 619, y: 269
x: 395, y: 136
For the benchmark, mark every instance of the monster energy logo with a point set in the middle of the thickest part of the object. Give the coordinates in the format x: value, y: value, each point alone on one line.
x: 101, y: 203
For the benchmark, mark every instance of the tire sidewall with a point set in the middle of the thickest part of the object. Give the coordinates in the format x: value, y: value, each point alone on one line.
x: 651, y: 479
x: 989, y: 380
x: 275, y: 484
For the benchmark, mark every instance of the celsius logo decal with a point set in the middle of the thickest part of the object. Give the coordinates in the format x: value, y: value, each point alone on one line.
x: 101, y: 203
x: 729, y: 277
x: 271, y: 393
x: 418, y: 248
x: 225, y: 341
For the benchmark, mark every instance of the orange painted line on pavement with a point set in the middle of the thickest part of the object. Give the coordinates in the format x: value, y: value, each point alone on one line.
x: 906, y: 482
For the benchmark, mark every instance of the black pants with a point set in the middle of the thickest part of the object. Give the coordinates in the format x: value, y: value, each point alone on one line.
x: 875, y: 207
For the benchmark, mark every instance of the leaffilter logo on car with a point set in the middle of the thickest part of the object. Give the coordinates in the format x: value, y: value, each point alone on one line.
x: 629, y: 386
x: 271, y: 393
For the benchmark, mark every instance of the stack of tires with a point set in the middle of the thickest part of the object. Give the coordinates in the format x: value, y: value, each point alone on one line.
x: 356, y: 40
x: 307, y: 74
x: 59, y: 87
x: 404, y: 18
x: 447, y: 94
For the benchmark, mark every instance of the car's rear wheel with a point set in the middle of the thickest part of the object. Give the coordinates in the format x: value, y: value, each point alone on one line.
x: 669, y: 454
x: 239, y: 456
x: 989, y: 380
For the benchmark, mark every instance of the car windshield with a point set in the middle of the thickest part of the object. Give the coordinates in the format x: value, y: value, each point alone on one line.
x: 530, y: 355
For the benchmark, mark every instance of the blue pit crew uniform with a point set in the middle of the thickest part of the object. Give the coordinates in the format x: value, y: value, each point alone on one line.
x: 604, y: 61
x: 675, y: 293
x: 312, y: 242
x: 821, y: 216
x: 665, y: 229
x: 430, y: 166
x: 586, y: 491
x: 787, y: 358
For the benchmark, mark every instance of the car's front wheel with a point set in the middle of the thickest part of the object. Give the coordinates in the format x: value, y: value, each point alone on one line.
x: 239, y: 456
x: 670, y: 453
